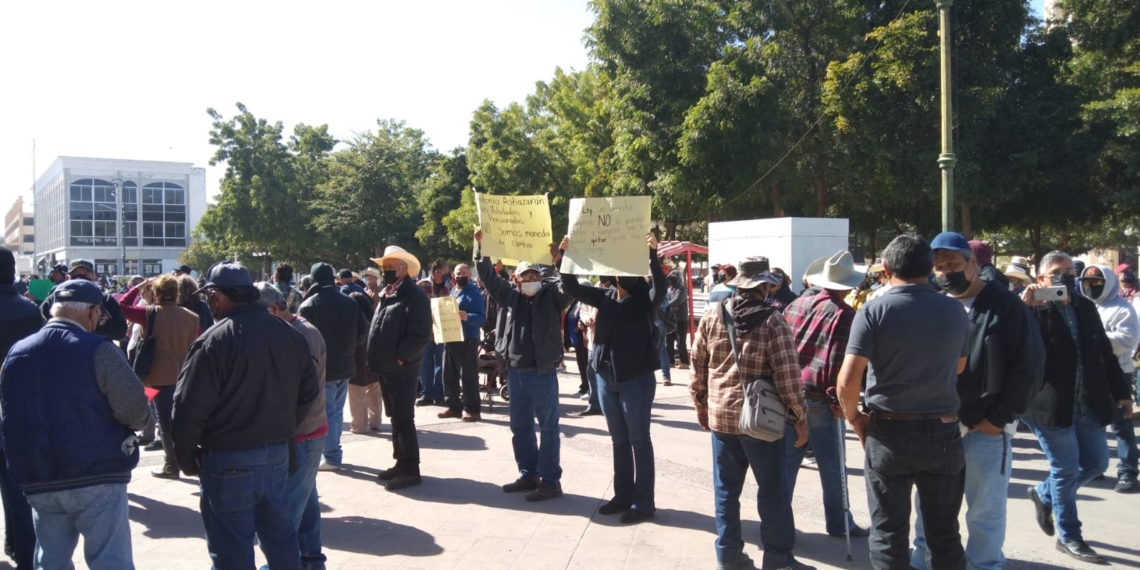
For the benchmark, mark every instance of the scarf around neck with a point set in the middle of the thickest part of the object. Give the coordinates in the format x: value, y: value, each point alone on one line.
x: 748, y: 313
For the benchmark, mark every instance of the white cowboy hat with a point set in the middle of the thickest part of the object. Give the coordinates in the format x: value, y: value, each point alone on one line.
x: 1013, y: 271
x: 398, y: 253
x: 372, y: 271
x: 838, y: 273
x: 815, y: 267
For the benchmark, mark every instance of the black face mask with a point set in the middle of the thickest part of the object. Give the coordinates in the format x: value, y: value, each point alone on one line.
x: 628, y: 283
x: 462, y: 281
x: 389, y: 277
x: 954, y: 283
x: 1095, y: 291
x: 1128, y: 279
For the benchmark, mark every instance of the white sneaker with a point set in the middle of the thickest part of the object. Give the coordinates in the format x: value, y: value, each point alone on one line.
x: 326, y: 466
x: 585, y: 397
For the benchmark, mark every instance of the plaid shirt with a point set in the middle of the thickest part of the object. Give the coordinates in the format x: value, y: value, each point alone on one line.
x: 821, y: 328
x: 766, y: 351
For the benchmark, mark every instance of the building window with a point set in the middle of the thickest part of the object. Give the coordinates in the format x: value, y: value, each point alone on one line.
x: 163, y: 215
x: 29, y: 221
x: 151, y: 267
x: 92, y: 212
x: 131, y: 267
x: 106, y: 266
x: 29, y: 238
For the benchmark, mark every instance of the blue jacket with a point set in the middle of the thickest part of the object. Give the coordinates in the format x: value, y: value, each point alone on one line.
x: 471, y: 300
x: 59, y: 429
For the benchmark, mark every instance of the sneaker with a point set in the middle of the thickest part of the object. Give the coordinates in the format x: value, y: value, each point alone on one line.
x: 388, y: 474
x: 612, y: 508
x: 326, y: 466
x: 166, y: 472
x: 856, y: 532
x: 1125, y: 484
x: 682, y: 366
x: 634, y: 517
x: 155, y: 445
x: 585, y: 397
x: 472, y: 417
x: 668, y: 382
x: 403, y: 482
x: 423, y: 402
x: 581, y: 393
x: 544, y: 492
x: 439, y: 402
x: 742, y: 561
x: 521, y: 484
x: 449, y: 414
x: 589, y: 412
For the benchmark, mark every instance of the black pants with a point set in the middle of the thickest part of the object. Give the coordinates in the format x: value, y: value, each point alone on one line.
x: 582, y: 355
x: 19, y: 532
x: 400, y: 402
x: 902, y: 455
x: 462, y: 360
x: 680, y: 338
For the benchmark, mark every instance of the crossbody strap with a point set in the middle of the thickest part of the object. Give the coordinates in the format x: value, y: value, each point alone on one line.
x: 727, y: 316
x: 150, y: 311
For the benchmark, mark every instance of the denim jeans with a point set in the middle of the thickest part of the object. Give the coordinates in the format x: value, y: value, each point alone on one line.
x: 1126, y: 451
x: 1076, y: 454
x: 823, y: 438
x: 535, y: 396
x: 903, y: 455
x: 244, y: 495
x: 99, y: 513
x: 19, y: 531
x: 989, y: 463
x: 431, y: 372
x: 461, y: 376
x: 592, y: 378
x: 336, y: 393
x: 627, y: 406
x: 662, y: 350
x: 400, y: 400
x: 732, y: 457
x: 305, y: 508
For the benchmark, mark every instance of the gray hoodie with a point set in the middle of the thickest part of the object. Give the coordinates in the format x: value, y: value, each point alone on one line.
x: 1120, y: 321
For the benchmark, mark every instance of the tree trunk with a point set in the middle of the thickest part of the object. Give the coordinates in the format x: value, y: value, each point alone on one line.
x: 967, y: 226
x: 670, y: 231
x: 820, y: 200
x: 1035, y: 239
x: 777, y: 201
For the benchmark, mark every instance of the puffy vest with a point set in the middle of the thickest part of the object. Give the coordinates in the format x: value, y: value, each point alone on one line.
x: 59, y: 430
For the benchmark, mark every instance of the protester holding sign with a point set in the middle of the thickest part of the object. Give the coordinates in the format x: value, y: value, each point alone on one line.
x: 625, y: 357
x: 462, y: 358
x: 516, y: 228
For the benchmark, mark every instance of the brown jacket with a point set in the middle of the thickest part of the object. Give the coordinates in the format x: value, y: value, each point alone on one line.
x: 175, y: 329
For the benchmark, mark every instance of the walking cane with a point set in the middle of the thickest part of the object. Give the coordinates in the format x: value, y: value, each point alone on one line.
x: 839, y: 426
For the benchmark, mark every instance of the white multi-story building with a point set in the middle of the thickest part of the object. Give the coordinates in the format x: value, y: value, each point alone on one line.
x: 126, y: 216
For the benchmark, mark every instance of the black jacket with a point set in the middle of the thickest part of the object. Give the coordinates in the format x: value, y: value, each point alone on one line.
x: 247, y: 382
x: 19, y: 319
x: 116, y: 326
x: 624, y: 330
x: 342, y: 325
x: 1006, y: 360
x: 200, y: 308
x: 401, y: 328
x: 1052, y: 405
x: 547, y: 309
x: 992, y: 274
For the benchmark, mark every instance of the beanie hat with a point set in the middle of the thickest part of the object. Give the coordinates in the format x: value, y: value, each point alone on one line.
x: 323, y: 274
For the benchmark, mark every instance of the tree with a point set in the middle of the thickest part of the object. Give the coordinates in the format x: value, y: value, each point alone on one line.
x: 437, y: 196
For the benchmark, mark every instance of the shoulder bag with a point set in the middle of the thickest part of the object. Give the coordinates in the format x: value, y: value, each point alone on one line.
x: 764, y: 414
x: 143, y: 357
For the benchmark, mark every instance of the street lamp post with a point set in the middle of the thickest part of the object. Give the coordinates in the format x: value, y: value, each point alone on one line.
x: 946, y: 160
x: 122, y: 225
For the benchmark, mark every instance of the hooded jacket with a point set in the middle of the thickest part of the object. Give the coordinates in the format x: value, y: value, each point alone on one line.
x: 1120, y: 322
x: 342, y: 325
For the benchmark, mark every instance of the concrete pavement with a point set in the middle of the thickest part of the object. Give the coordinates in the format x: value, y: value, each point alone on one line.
x: 460, y: 518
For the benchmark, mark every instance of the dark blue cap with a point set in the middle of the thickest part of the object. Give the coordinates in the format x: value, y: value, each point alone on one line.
x: 227, y: 274
x: 950, y: 240
x: 78, y: 291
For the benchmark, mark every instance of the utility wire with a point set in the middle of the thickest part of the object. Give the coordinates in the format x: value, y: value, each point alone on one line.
x: 818, y: 119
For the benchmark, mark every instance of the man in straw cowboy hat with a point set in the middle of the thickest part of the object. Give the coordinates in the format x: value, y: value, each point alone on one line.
x: 401, y: 328
x: 1006, y: 361
x: 821, y: 325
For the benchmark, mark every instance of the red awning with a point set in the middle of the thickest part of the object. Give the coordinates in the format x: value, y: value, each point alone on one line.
x: 671, y: 248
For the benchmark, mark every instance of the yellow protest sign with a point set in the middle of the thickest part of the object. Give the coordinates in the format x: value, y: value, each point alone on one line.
x: 445, y: 320
x: 515, y: 228
x: 607, y: 236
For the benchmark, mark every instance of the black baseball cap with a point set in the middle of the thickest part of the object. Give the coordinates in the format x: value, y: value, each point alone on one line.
x: 183, y: 269
x: 226, y: 274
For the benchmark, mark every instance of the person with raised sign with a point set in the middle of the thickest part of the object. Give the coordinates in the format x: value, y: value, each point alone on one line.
x: 530, y: 340
x: 625, y: 358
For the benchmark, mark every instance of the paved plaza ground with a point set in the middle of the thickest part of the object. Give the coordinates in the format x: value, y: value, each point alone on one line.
x: 460, y: 518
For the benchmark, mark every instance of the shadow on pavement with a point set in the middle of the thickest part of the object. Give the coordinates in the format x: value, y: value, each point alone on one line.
x: 674, y: 518
x: 164, y: 520
x: 814, y: 548
x: 455, y: 491
x: 376, y: 537
x: 691, y: 426
x: 450, y: 441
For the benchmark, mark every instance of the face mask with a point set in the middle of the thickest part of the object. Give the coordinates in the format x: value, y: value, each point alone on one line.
x: 628, y: 283
x: 1129, y: 279
x: 462, y: 281
x: 954, y: 283
x: 530, y: 288
x: 1095, y: 291
x: 389, y: 277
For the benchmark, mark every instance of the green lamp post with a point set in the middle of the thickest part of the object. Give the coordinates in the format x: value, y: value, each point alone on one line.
x: 946, y: 160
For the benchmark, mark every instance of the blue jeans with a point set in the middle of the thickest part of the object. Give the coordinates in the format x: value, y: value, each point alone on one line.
x: 336, y: 392
x: 627, y: 406
x: 99, y: 513
x: 1076, y: 454
x: 535, y: 396
x: 244, y: 494
x: 663, y: 351
x: 592, y: 379
x: 989, y: 463
x: 431, y: 372
x: 732, y: 456
x: 823, y: 437
x: 1126, y: 451
x: 302, y: 498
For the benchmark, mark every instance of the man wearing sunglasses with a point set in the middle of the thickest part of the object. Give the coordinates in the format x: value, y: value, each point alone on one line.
x: 1123, y: 330
x: 112, y: 324
x: 1083, y: 387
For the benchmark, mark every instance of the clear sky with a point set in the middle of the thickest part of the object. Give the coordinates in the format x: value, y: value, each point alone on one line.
x: 130, y: 79
x: 133, y: 79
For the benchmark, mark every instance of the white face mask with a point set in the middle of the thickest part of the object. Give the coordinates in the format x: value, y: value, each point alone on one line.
x: 531, y: 288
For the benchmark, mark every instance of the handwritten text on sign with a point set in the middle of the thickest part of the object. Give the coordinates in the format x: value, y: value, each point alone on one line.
x: 607, y: 236
x: 515, y: 228
x: 445, y: 320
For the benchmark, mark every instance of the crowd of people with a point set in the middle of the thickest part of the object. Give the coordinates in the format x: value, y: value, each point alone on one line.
x: 933, y: 357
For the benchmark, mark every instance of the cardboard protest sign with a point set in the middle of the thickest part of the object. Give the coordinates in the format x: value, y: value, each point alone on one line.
x: 445, y: 320
x: 515, y: 228
x: 607, y: 236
